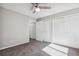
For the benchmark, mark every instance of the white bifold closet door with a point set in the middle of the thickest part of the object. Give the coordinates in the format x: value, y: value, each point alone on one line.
x: 43, y: 30
x: 67, y: 30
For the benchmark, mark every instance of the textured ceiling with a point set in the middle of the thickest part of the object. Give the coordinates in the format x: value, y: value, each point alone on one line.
x: 26, y: 8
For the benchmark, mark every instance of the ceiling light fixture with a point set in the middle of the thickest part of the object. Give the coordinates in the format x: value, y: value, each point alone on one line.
x: 37, y: 9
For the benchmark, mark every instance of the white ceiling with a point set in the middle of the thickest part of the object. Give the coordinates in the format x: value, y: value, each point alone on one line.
x: 26, y: 8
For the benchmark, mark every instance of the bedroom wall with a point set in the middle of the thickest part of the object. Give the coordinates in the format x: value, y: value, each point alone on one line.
x: 32, y: 31
x: 14, y: 28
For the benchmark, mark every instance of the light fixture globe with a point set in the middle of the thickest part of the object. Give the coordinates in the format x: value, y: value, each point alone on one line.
x: 37, y: 9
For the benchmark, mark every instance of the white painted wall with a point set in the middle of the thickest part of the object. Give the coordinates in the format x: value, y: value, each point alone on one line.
x: 14, y: 28
x: 67, y: 30
x: 43, y: 30
x: 32, y: 32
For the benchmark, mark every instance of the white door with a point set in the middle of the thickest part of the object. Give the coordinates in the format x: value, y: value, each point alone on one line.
x: 67, y: 30
x: 43, y: 30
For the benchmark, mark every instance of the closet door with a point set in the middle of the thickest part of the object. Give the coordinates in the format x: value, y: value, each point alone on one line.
x: 67, y: 30
x: 43, y: 30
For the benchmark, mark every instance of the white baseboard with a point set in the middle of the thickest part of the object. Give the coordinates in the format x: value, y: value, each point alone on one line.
x: 13, y: 45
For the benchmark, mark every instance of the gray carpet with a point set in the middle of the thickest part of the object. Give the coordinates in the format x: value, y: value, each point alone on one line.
x: 34, y: 48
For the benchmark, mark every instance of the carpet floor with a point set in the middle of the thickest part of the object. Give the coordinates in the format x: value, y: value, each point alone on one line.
x: 35, y: 48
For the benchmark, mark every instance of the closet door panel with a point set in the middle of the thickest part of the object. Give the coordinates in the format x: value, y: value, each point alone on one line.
x: 43, y: 29
x: 67, y: 30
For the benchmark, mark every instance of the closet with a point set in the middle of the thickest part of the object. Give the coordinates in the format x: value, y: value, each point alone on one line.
x: 43, y: 30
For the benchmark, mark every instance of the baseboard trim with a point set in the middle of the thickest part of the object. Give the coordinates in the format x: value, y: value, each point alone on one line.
x: 13, y: 46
